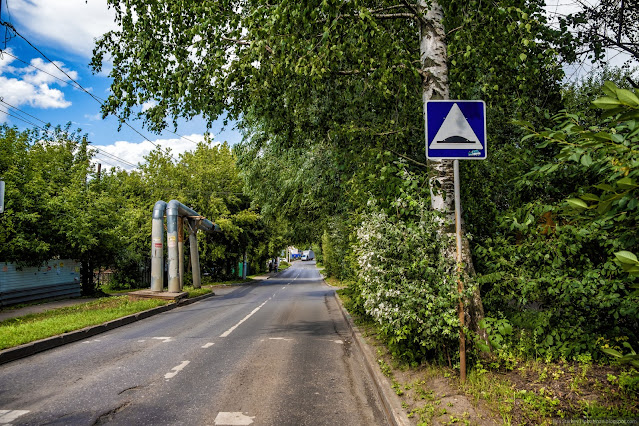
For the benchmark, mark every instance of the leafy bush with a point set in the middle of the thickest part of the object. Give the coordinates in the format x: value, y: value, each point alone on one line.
x: 563, y: 272
x: 406, y: 284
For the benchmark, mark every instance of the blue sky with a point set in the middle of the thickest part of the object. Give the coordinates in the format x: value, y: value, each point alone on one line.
x: 65, y: 30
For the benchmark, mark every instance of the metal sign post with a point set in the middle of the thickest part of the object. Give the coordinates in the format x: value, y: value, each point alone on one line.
x: 1, y: 196
x: 456, y: 130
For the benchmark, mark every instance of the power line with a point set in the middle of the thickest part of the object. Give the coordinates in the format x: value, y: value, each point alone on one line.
x: 113, y: 156
x: 5, y: 52
x: 23, y: 112
x: 10, y: 26
x: 22, y: 119
x: 76, y: 84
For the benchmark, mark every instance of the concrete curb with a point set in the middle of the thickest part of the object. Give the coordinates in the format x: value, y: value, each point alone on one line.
x: 391, y: 403
x: 28, y: 349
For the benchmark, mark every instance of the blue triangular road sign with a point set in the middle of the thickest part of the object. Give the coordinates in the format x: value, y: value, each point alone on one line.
x: 456, y: 130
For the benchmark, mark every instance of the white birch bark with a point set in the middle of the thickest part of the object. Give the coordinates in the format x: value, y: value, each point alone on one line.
x: 434, y: 63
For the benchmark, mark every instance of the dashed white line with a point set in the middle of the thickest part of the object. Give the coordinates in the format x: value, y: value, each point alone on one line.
x: 233, y: 418
x: 279, y: 338
x: 230, y: 330
x: 7, y: 416
x: 164, y: 339
x: 176, y: 370
x: 208, y: 345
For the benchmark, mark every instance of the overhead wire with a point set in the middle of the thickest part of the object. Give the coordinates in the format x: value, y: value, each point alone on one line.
x: 12, y: 28
x: 99, y: 99
x: 21, y: 119
x: 103, y: 152
x: 77, y: 84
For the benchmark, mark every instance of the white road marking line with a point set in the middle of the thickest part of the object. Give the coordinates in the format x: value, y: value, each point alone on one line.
x: 140, y: 341
x: 230, y: 330
x: 208, y: 345
x: 341, y: 342
x: 164, y: 339
x: 7, y: 416
x: 234, y: 418
x: 176, y: 370
x: 279, y: 338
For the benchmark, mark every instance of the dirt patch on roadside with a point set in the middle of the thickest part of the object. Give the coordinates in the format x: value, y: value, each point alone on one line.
x: 428, y: 397
x: 528, y: 393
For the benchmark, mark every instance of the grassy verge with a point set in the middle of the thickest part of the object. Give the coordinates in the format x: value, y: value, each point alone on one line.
x: 518, y: 392
x: 195, y: 292
x: 25, y: 329
x: 208, y: 281
x: 284, y: 265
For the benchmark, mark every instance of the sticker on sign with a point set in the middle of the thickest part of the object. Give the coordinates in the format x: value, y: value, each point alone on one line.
x: 456, y: 130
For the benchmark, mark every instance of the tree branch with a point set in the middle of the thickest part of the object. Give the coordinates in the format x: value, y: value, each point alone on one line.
x: 408, y: 158
x: 386, y: 9
x: 236, y: 41
x: 395, y: 16
x: 418, y: 15
x: 245, y: 43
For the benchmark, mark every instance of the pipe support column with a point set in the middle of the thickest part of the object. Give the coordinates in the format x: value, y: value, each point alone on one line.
x: 195, y: 254
x: 172, y: 216
x: 180, y: 232
x: 157, y: 247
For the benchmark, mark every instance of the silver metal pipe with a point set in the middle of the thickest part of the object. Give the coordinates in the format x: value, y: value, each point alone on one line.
x: 174, y: 211
x: 180, y: 233
x: 157, y: 246
x: 195, y: 254
x: 172, y: 215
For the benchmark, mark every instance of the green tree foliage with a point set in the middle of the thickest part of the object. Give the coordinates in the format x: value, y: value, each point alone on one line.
x: 558, y: 269
x: 57, y: 205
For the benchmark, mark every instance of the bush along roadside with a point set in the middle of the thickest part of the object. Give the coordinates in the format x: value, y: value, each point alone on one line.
x: 508, y: 389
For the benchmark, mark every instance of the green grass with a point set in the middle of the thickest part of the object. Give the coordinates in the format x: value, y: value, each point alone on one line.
x: 195, y: 292
x: 17, y: 331
x: 209, y: 281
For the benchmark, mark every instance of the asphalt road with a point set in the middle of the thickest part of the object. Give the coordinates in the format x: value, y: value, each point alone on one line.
x: 274, y: 353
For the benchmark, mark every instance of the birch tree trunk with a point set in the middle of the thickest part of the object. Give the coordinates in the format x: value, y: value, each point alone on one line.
x: 434, y: 62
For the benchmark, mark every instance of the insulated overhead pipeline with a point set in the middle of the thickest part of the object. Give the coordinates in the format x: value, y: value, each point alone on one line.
x: 174, y: 211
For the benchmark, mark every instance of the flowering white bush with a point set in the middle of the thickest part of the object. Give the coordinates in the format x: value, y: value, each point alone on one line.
x: 406, y: 284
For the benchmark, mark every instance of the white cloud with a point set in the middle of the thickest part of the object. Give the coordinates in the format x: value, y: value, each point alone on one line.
x: 148, y: 105
x: 93, y: 117
x: 70, y: 24
x: 47, y: 72
x: 134, y: 153
x: 29, y: 86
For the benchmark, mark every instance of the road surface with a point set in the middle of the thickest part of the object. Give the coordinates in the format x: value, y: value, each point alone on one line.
x: 274, y: 353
